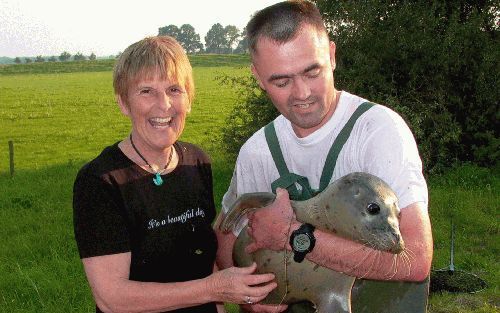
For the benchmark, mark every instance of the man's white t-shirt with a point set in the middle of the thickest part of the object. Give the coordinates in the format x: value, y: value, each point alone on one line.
x: 380, y: 144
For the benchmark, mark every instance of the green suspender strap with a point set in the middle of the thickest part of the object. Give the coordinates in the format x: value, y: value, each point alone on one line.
x: 338, y: 144
x: 289, y: 180
x: 286, y: 180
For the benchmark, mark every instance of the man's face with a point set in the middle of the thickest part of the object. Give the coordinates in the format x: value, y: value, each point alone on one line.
x: 298, y: 77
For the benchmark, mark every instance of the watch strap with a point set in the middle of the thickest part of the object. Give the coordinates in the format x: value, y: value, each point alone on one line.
x: 299, y: 256
x: 306, y: 228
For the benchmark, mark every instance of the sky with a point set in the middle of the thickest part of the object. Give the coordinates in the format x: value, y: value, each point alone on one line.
x: 30, y: 28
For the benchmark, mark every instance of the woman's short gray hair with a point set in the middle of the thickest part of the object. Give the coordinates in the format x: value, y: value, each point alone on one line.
x: 160, y: 56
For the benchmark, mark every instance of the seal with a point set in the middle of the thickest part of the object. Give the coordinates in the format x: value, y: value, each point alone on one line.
x: 358, y: 206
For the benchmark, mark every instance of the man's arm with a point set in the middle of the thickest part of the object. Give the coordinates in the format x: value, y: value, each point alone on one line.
x: 225, y: 242
x: 355, y: 259
x: 114, y: 292
x: 346, y: 256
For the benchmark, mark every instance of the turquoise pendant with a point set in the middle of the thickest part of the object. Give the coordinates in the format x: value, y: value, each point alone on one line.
x: 157, y: 179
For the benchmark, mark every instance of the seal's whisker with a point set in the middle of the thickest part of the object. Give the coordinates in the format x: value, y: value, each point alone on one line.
x: 397, y: 262
x: 376, y: 261
x: 395, y: 265
x: 387, y: 274
x: 363, y: 260
x: 411, y: 255
x: 393, y: 269
x: 380, y: 263
x: 406, y: 260
x: 407, y: 256
x: 371, y: 245
x: 366, y: 242
x: 370, y: 268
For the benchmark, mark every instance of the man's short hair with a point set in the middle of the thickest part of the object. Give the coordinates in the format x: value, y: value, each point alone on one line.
x: 282, y: 21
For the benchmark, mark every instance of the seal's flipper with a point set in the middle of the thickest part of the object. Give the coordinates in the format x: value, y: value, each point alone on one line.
x: 242, y: 206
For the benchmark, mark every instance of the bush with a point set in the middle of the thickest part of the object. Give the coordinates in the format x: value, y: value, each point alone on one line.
x: 253, y: 111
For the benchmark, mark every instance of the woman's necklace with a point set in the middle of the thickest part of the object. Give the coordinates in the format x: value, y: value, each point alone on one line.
x: 157, y: 180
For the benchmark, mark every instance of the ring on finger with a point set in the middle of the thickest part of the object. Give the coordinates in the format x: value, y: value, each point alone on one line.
x: 247, y: 300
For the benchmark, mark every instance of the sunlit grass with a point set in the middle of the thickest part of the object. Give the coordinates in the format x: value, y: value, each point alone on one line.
x: 470, y: 196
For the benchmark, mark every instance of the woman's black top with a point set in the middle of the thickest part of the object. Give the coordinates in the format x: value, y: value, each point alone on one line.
x: 167, y: 228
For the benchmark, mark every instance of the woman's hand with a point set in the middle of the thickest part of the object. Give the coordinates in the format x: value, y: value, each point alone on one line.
x: 239, y: 285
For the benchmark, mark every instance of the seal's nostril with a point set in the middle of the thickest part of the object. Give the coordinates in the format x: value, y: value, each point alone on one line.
x: 399, y: 244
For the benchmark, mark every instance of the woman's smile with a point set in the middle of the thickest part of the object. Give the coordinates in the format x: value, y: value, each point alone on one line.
x: 160, y: 122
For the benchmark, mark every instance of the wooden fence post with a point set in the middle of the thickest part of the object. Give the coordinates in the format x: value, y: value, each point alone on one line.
x: 11, y: 157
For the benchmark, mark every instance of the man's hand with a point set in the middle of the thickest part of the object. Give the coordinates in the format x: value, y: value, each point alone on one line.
x: 270, y: 227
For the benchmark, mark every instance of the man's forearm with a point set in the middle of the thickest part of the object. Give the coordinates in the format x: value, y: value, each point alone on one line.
x: 358, y: 260
x: 225, y: 249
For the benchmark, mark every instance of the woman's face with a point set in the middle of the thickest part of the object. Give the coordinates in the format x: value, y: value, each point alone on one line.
x: 157, y: 108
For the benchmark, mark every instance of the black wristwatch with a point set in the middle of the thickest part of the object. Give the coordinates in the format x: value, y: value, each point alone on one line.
x: 302, y: 242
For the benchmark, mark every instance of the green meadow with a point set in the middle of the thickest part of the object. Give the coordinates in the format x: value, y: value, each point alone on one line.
x: 61, y: 115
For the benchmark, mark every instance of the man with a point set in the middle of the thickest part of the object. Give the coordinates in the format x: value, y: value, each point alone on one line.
x: 294, y: 61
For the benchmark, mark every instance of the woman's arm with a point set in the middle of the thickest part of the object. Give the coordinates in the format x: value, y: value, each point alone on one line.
x: 114, y: 292
x: 225, y: 260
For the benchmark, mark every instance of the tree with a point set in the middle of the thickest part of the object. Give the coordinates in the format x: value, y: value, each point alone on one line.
x: 189, y: 39
x: 243, y: 43
x: 17, y: 60
x: 92, y: 56
x: 39, y: 59
x: 64, y: 56
x: 232, y: 34
x: 437, y: 63
x: 215, y: 40
x: 52, y: 59
x: 79, y: 57
x: 170, y: 30
x: 28, y: 60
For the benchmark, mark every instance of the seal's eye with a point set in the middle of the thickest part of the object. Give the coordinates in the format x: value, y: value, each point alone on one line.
x: 373, y: 209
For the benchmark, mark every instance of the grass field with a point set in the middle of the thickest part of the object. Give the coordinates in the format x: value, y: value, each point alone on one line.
x: 61, y: 118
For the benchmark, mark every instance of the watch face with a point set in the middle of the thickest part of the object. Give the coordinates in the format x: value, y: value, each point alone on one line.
x: 301, y: 242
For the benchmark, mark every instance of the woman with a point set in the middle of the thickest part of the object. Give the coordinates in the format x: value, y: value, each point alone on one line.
x: 143, y: 208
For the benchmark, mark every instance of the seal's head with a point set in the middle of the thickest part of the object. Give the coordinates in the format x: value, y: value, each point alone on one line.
x: 368, y: 209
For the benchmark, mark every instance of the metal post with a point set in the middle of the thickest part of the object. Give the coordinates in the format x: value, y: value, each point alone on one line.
x: 11, y: 156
